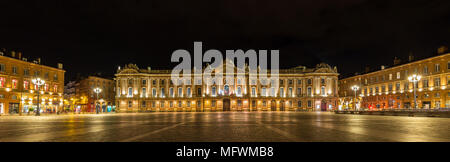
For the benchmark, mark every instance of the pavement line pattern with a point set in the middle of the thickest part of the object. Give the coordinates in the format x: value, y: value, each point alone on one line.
x: 37, y: 137
x: 132, y: 139
x: 281, y: 132
x: 394, y: 136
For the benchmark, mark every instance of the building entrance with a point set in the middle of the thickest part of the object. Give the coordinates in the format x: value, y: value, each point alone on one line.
x: 226, y: 104
x: 273, y: 105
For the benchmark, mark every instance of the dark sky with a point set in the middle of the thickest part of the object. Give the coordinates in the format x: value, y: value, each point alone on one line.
x: 99, y: 35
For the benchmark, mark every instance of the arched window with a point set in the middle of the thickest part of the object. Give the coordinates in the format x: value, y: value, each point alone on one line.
x: 213, y: 91
x: 226, y: 90
x: 239, y: 90
x: 322, y: 90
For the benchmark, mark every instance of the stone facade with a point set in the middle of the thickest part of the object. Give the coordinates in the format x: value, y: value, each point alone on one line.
x: 390, y: 87
x: 18, y: 94
x: 300, y: 89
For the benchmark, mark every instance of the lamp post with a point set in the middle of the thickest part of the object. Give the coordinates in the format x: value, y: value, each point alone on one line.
x: 355, y: 88
x: 97, y: 91
x: 414, y: 79
x: 38, y: 82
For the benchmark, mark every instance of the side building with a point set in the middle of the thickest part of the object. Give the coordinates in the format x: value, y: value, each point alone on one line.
x: 80, y: 95
x: 390, y: 88
x: 299, y: 89
x: 18, y: 93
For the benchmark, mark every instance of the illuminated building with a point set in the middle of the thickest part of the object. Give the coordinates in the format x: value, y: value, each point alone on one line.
x: 17, y: 91
x: 390, y: 87
x: 80, y: 94
x: 300, y: 89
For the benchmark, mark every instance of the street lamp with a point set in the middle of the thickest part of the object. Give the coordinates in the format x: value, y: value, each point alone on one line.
x: 97, y: 90
x: 38, y: 82
x: 414, y: 78
x: 355, y: 88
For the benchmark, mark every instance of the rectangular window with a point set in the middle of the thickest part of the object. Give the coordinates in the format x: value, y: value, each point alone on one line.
x: 290, y: 92
x: 144, y: 82
x: 282, y: 92
x: 171, y: 103
x: 180, y: 92
x: 299, y: 104
x: 163, y: 94
x: 425, y: 70
x: 144, y: 104
x: 253, y: 91
x: 253, y: 103
x: 154, y: 92
x: 180, y: 104
x: 213, y: 103
x: 2, y: 68
x: 437, y: 67
x: 130, y: 92
x: 153, y: 104
x: 390, y: 76
x: 263, y: 91
x: 299, y: 91
x: 171, y: 92
x: 437, y: 82
x: 309, y: 103
x: 130, y: 104
x: 188, y: 91
x: 26, y: 72
x: 199, y: 104
x: 144, y: 92
x: 14, y: 83
x: 299, y: 81
x: 14, y: 69
x: 162, y: 104
x: 424, y: 83
x: 26, y: 85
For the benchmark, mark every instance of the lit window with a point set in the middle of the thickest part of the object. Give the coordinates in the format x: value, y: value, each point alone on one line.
x: 14, y: 83
x: 26, y: 85
x: 2, y: 82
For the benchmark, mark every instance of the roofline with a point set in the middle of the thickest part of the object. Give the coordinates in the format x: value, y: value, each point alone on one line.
x: 12, y: 58
x: 396, y: 66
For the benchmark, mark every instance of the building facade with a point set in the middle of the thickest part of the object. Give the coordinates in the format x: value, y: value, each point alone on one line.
x: 18, y: 94
x: 299, y: 89
x: 390, y: 88
x: 80, y: 95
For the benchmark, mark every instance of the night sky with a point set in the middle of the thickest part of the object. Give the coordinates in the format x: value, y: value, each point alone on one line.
x: 99, y: 35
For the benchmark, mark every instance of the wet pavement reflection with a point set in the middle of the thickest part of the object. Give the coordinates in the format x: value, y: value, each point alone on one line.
x: 223, y: 127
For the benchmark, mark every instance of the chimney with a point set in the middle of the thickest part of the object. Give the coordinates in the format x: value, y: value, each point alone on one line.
x: 410, y: 57
x: 60, y: 66
x: 396, y: 61
x: 13, y: 54
x: 382, y: 67
x: 39, y: 60
x: 367, y: 69
x: 442, y: 49
x: 20, y: 55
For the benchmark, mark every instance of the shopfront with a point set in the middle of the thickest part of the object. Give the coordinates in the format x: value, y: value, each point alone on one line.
x: 13, y: 108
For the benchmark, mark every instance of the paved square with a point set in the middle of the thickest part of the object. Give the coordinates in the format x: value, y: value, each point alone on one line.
x: 223, y: 127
